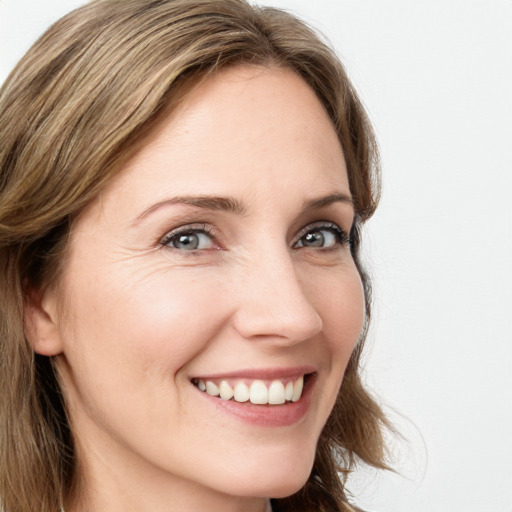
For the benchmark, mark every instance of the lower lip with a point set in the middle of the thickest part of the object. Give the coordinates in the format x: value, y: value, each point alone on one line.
x: 267, y: 415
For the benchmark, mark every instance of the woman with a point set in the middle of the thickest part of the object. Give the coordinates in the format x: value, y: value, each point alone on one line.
x: 183, y: 184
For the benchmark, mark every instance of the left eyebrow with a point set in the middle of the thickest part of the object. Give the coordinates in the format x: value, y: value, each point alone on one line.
x: 322, y: 202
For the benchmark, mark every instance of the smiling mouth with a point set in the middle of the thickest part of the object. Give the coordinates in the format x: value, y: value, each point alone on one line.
x: 255, y: 391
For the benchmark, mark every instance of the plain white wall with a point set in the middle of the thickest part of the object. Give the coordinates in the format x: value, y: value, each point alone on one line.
x: 436, y: 77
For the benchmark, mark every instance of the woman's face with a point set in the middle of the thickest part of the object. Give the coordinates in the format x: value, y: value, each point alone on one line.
x: 218, y: 258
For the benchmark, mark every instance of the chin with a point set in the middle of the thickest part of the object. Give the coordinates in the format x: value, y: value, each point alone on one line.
x: 281, y: 487
x: 287, y: 486
x: 274, y: 479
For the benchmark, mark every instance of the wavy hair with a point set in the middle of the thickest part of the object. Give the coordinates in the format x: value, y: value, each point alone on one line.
x: 72, y: 112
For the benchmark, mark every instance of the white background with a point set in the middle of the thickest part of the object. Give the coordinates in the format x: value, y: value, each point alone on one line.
x: 436, y: 77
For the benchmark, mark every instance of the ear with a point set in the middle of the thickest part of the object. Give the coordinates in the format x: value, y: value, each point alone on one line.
x: 41, y: 322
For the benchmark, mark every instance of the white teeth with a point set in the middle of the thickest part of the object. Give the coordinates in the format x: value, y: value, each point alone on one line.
x: 258, y: 393
x: 276, y: 393
x: 241, y: 393
x: 297, y: 389
x: 288, y: 392
x: 212, y: 388
x: 226, y: 391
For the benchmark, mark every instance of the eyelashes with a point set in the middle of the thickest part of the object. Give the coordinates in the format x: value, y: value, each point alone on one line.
x: 324, y: 235
x: 194, y: 238
x: 190, y: 238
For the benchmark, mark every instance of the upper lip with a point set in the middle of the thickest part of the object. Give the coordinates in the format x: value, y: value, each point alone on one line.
x: 261, y: 373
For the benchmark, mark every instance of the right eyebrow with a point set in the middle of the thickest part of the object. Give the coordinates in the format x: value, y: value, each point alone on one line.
x: 218, y: 203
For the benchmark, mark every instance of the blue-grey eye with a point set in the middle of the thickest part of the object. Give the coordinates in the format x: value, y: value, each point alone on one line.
x: 190, y: 241
x: 322, y: 237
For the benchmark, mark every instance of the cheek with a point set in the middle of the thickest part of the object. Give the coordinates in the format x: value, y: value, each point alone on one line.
x: 126, y: 334
x: 340, y: 302
x: 342, y: 309
x: 126, y: 343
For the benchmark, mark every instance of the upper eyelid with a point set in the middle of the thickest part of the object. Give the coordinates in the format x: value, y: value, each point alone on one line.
x: 186, y: 228
x: 318, y: 225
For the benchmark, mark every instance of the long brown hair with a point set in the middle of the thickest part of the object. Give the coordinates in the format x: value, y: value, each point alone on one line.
x: 72, y: 112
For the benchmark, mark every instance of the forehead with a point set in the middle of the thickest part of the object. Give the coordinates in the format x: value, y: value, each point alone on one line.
x: 245, y: 130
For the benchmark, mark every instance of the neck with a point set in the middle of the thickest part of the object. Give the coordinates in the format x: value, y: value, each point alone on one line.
x: 111, y: 477
x: 268, y: 508
x: 184, y: 502
x: 104, y: 487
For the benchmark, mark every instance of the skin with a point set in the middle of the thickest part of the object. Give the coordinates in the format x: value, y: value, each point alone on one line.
x: 132, y: 320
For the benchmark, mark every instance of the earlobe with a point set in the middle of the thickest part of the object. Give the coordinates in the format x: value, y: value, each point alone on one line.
x: 41, y: 323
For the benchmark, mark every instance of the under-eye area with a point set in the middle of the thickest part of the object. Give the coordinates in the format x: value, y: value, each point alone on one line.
x: 256, y: 391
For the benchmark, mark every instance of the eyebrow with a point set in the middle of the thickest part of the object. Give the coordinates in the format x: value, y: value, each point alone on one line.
x: 232, y: 205
x: 226, y: 204
x: 322, y: 202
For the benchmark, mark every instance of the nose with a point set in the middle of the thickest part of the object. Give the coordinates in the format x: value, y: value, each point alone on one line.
x: 274, y: 300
